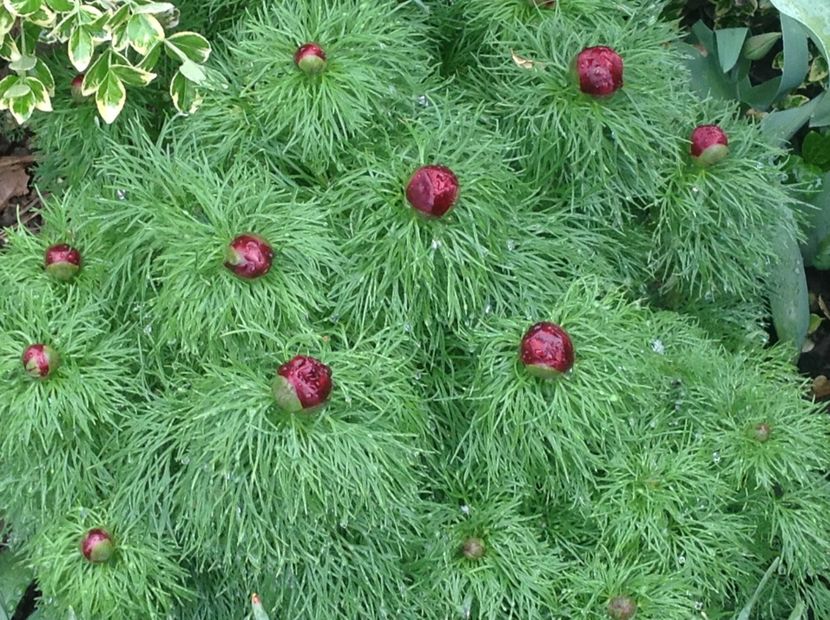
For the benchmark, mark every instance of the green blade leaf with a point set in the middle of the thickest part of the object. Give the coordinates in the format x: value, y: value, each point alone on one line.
x: 110, y: 98
x: 814, y: 15
x: 81, y: 48
x: 788, y: 296
x: 783, y: 124
x: 730, y: 43
x: 819, y: 228
x: 796, y: 55
x: 758, y: 46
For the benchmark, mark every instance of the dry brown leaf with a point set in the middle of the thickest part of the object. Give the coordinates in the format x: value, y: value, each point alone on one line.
x: 524, y: 63
x: 823, y: 305
x: 821, y: 387
x: 14, y: 182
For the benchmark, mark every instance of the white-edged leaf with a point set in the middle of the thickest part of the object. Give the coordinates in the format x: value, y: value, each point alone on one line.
x: 143, y: 32
x: 96, y: 75
x: 120, y: 17
x: 154, y: 8
x: 151, y: 58
x: 8, y: 49
x: 88, y: 13
x: 185, y: 97
x: 42, y: 100
x: 6, y: 21
x: 41, y: 71
x: 132, y: 76
x: 6, y: 83
x: 43, y: 17
x: 23, y: 7
x: 61, y: 5
x: 21, y: 108
x: 16, y: 90
x: 81, y: 48
x: 110, y: 98
x: 193, y: 72
x: 24, y: 63
x: 190, y: 45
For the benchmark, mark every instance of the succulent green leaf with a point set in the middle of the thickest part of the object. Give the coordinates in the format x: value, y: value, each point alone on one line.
x: 815, y: 248
x: 814, y: 15
x: 796, y: 55
x: 14, y: 578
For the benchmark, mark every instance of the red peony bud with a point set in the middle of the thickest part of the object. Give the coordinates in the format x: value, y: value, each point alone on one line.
x: 600, y: 71
x: 97, y: 546
x: 41, y: 361
x: 547, y: 351
x: 249, y: 256
x: 710, y: 144
x: 310, y: 58
x: 62, y: 262
x: 473, y: 549
x: 77, y: 87
x: 433, y: 190
x: 622, y: 608
x: 302, y: 384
